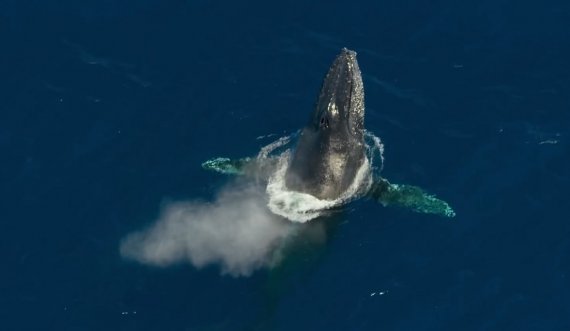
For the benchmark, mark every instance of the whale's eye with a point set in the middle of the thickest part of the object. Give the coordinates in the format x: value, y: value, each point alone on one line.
x: 324, y: 122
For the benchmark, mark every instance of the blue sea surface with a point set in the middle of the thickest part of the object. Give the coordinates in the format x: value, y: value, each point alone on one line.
x: 108, y: 109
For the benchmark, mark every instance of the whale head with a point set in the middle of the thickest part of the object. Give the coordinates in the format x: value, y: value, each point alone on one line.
x: 330, y: 149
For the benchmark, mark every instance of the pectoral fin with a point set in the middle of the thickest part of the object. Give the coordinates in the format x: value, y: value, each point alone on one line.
x: 409, y: 196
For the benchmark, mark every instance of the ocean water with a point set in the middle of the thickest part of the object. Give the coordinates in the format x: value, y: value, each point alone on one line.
x: 108, y: 109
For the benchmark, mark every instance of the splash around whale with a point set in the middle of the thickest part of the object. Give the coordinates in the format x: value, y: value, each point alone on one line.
x: 303, y: 207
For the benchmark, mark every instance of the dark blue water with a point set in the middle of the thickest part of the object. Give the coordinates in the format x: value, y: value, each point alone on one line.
x: 108, y: 108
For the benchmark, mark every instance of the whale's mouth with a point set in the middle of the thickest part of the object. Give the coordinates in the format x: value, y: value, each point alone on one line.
x: 302, y: 207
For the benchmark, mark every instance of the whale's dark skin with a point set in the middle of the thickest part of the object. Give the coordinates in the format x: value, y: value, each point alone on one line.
x: 331, y: 149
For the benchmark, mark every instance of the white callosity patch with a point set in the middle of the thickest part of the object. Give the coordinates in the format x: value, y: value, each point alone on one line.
x: 332, y: 108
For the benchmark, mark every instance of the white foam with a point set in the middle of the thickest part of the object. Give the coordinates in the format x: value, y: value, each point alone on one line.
x: 374, y: 149
x: 303, y: 207
x: 266, y: 150
x: 295, y: 206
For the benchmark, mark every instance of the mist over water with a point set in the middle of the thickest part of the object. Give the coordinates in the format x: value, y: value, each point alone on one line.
x: 236, y: 231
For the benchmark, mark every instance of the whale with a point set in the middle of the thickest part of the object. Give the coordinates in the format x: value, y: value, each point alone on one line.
x: 331, y: 151
x: 331, y: 148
